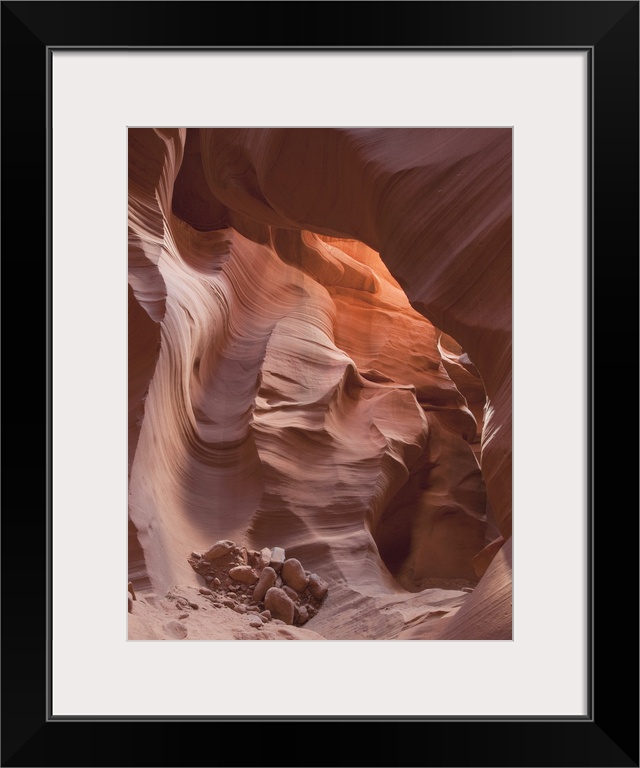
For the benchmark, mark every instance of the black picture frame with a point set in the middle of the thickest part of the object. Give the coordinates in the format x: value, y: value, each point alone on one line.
x: 608, y: 736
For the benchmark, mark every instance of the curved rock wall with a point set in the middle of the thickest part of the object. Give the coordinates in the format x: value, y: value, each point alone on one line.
x: 284, y: 388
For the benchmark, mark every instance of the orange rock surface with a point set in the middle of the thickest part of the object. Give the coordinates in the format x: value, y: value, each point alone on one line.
x: 320, y: 360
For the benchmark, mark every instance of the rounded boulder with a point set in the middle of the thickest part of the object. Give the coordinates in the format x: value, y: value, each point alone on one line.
x: 293, y: 574
x: 280, y: 605
x: 266, y: 581
x: 219, y: 549
x: 244, y: 574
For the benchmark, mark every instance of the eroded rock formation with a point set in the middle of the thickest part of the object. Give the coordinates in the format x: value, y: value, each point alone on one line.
x: 320, y: 358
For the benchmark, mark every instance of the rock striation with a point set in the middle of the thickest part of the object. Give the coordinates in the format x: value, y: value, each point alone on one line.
x: 320, y: 356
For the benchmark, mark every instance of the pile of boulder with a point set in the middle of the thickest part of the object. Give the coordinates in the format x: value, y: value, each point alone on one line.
x: 266, y: 582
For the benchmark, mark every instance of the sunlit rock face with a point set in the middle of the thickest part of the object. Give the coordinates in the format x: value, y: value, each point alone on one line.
x: 316, y: 318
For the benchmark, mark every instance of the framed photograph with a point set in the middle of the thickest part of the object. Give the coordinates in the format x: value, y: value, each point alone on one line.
x: 473, y: 169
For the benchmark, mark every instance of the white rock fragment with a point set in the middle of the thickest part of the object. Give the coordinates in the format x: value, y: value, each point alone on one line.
x: 290, y: 592
x: 265, y: 557
x: 277, y: 559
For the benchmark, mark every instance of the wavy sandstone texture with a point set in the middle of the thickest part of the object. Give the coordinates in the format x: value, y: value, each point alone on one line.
x: 320, y: 359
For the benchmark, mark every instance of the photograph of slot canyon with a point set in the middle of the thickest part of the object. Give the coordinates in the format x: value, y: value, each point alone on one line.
x: 319, y: 372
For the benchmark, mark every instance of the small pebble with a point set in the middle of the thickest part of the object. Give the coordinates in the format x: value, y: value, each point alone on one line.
x: 239, y: 608
x: 229, y: 603
x: 256, y: 624
x: 183, y: 616
x: 205, y: 591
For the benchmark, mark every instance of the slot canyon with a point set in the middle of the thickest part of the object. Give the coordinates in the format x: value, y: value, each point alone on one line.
x: 319, y: 369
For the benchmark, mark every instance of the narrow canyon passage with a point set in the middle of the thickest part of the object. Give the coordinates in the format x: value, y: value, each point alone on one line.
x: 286, y: 393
